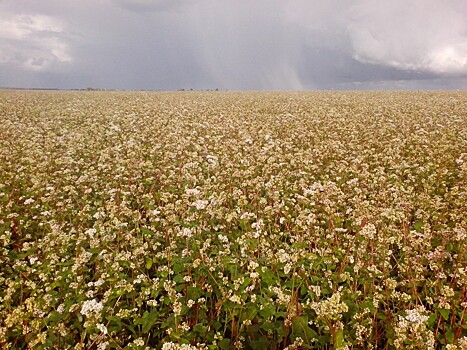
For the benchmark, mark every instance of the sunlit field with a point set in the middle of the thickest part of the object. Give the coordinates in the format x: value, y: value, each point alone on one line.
x: 213, y: 220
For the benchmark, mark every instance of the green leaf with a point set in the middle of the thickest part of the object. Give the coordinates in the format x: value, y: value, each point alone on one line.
x: 449, y: 336
x: 200, y: 329
x: 217, y: 325
x: 148, y: 264
x: 268, y: 277
x: 177, y: 268
x: 300, y: 328
x: 249, y: 313
x: 262, y: 343
x: 193, y: 292
x: 267, y: 311
x: 148, y: 320
x: 224, y: 344
x: 233, y: 271
x: 55, y: 317
x: 146, y: 231
x: 339, y: 339
x: 179, y: 279
x: 418, y: 225
x: 431, y: 320
x: 116, y: 323
x: 246, y: 282
x: 444, y: 313
x: 381, y: 317
x: 267, y: 326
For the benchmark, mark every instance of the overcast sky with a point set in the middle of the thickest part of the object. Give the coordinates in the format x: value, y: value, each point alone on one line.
x: 234, y: 44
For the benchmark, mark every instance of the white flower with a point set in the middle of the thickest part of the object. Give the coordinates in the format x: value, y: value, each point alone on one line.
x: 252, y: 265
x: 103, y: 346
x: 212, y: 160
x: 331, y: 308
x: 192, y: 191
x: 235, y: 299
x: 174, y: 346
x: 139, y: 342
x: 90, y: 232
x: 152, y: 302
x: 99, y: 282
x: 415, y: 317
x: 223, y: 239
x: 369, y: 231
x: 177, y: 308
x: 90, y: 307
x: 102, y: 328
x: 28, y: 201
x: 186, y: 232
x: 200, y: 204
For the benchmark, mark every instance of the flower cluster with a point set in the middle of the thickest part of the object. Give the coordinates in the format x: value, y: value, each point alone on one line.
x: 412, y: 331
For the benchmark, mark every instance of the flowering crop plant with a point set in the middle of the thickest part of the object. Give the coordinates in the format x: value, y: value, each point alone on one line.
x: 215, y: 220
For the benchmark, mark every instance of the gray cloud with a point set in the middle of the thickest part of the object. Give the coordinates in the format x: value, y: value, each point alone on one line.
x: 244, y: 51
x: 150, y: 5
x: 259, y: 44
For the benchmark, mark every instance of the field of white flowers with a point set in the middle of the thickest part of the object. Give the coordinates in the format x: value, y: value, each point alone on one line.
x: 233, y: 220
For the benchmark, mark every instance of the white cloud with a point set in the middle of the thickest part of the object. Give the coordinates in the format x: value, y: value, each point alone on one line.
x: 420, y: 35
x: 33, y: 42
x: 449, y: 59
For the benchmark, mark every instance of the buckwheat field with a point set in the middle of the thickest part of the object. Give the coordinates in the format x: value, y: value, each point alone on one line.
x: 212, y: 220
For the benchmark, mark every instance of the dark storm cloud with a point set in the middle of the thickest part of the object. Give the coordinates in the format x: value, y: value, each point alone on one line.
x: 336, y: 69
x: 258, y: 44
